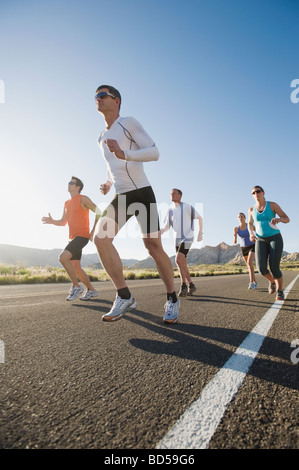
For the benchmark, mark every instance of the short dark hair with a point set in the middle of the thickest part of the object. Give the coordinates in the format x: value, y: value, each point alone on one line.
x: 178, y: 190
x: 112, y: 90
x: 78, y: 183
x: 258, y: 187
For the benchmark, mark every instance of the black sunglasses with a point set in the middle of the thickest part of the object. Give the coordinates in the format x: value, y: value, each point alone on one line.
x: 102, y: 94
x: 257, y: 191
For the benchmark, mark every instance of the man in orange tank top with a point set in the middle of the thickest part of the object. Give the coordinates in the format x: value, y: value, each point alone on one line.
x: 76, y: 215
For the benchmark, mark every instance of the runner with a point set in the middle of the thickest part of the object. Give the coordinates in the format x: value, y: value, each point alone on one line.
x: 76, y: 215
x: 268, y: 238
x: 180, y: 216
x: 125, y: 146
x: 247, y: 247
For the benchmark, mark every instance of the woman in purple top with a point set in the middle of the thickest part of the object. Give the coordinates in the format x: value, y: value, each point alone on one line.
x: 247, y: 247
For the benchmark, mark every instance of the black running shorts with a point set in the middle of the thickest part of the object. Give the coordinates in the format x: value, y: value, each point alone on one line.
x: 247, y: 249
x: 183, y: 248
x: 139, y: 202
x: 76, y: 246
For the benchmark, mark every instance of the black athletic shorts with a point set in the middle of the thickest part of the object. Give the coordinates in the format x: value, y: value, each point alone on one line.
x: 139, y: 202
x: 247, y: 249
x: 75, y: 247
x: 183, y: 248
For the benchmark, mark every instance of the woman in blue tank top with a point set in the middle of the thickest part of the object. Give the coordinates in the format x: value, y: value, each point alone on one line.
x: 268, y: 238
x: 247, y: 247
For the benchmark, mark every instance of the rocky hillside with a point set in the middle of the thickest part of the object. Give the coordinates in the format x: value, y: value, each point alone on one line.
x: 291, y: 256
x: 220, y: 254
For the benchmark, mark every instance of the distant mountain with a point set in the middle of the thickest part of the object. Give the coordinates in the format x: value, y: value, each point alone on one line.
x: 220, y: 254
x: 291, y: 256
x: 21, y: 256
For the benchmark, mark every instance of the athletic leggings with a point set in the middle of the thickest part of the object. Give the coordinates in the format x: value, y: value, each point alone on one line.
x: 269, y: 248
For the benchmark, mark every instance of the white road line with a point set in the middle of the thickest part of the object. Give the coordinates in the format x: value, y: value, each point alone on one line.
x: 199, y: 422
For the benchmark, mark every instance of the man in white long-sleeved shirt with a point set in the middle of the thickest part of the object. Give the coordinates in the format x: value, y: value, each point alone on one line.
x: 180, y: 216
x: 125, y: 146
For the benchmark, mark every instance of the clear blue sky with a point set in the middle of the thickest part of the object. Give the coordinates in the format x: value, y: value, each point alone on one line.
x: 210, y: 80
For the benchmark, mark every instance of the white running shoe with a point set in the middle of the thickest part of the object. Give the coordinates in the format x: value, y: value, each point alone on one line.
x: 89, y: 294
x: 75, y: 292
x: 252, y: 285
x: 171, y: 311
x: 119, y: 307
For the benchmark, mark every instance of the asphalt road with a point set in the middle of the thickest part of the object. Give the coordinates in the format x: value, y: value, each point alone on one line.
x: 72, y: 381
